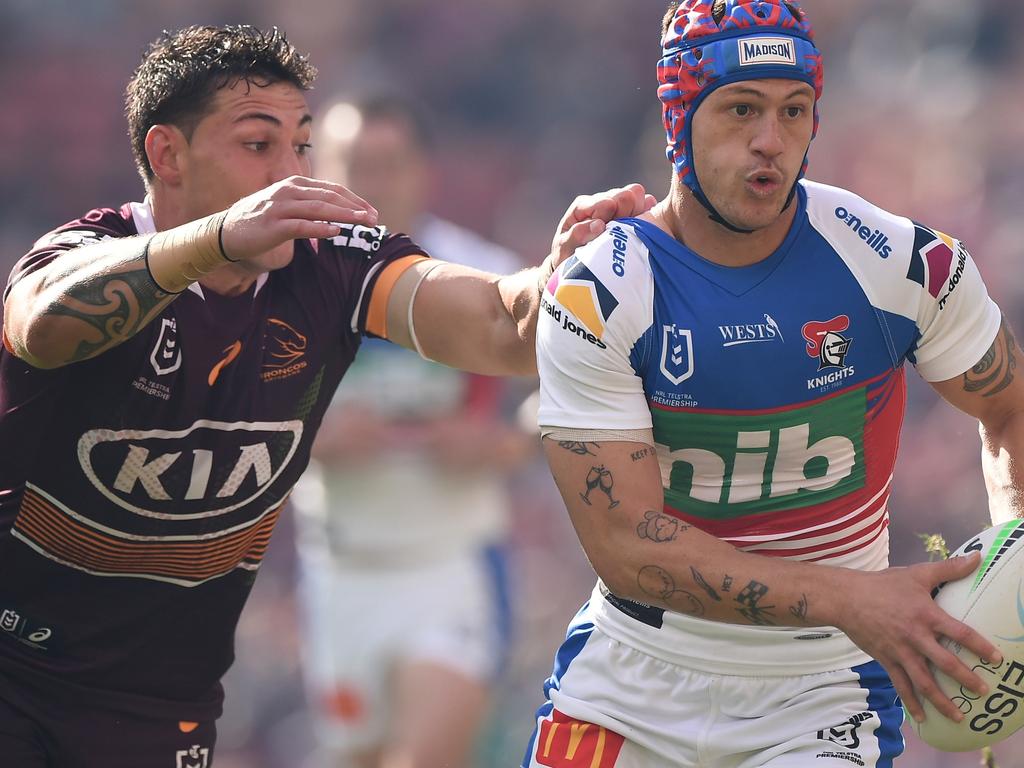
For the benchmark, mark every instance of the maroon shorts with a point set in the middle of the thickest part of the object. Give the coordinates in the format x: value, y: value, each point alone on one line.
x: 41, y: 730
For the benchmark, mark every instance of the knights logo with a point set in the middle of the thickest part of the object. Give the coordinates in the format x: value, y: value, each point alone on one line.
x: 166, y: 354
x: 825, y: 342
x: 676, y: 353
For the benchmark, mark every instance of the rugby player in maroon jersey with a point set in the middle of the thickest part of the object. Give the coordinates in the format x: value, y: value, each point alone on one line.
x: 165, y: 368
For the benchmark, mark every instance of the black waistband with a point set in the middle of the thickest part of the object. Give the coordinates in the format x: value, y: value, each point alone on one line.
x: 645, y: 614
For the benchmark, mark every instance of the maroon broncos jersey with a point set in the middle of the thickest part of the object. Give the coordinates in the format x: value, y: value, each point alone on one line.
x: 139, y: 489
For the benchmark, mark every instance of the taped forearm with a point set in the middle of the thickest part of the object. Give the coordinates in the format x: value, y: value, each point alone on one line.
x: 92, y: 298
x: 179, y: 257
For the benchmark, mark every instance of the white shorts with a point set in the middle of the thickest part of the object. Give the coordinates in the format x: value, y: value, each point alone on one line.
x: 362, y: 621
x: 612, y: 705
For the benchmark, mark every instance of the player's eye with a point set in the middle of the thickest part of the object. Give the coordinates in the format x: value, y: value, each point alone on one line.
x: 303, y: 149
x: 741, y: 110
x: 257, y: 146
x: 794, y: 112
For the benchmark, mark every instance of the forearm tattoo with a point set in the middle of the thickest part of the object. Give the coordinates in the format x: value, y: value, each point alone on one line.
x: 701, y: 582
x: 643, y: 453
x: 994, y: 372
x: 659, y: 527
x: 657, y: 583
x: 599, y: 478
x: 751, y: 606
x: 114, y: 306
x: 799, y: 611
x: 580, y: 449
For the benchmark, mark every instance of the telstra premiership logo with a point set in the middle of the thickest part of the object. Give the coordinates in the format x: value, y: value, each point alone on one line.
x: 579, y: 291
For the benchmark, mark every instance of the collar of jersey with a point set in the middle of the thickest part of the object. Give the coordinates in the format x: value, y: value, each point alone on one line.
x: 735, y: 280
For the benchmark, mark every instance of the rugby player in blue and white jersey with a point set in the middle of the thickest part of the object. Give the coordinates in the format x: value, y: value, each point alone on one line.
x: 722, y: 390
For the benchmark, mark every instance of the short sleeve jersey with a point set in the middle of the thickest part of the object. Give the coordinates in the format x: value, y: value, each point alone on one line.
x: 408, y: 505
x: 775, y: 391
x: 139, y: 489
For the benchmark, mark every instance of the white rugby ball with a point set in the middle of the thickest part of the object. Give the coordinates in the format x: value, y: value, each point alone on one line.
x: 991, y: 600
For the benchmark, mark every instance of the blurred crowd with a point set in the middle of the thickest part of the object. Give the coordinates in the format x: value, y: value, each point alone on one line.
x: 534, y: 102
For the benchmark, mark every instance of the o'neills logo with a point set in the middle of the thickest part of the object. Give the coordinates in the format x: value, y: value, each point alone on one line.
x: 766, y: 50
x: 876, y: 239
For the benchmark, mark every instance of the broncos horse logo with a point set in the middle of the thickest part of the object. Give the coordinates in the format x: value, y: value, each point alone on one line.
x: 286, y: 345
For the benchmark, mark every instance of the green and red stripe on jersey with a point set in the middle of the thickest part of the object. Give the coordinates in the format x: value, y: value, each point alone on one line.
x: 809, y: 481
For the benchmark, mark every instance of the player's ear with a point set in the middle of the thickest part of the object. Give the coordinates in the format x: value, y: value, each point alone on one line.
x: 165, y: 145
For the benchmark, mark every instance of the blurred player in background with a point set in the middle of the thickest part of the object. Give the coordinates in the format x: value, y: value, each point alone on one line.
x: 722, y: 392
x: 165, y: 367
x: 403, y: 513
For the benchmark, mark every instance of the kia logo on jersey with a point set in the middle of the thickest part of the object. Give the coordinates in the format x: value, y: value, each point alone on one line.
x: 206, y: 470
x: 825, y: 342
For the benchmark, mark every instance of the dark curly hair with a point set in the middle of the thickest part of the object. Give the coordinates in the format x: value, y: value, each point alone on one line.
x: 181, y: 72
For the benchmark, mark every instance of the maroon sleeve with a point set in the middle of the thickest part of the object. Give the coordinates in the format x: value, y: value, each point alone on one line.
x: 97, y: 225
x: 361, y: 254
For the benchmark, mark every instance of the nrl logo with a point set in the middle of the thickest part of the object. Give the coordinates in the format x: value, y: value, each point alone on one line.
x: 845, y: 734
x: 166, y: 354
x: 676, y: 353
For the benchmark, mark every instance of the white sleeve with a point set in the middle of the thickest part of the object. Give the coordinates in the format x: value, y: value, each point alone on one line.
x: 594, y: 309
x: 957, y: 319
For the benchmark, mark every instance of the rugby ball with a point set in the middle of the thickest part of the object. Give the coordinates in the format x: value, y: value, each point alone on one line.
x: 991, y: 600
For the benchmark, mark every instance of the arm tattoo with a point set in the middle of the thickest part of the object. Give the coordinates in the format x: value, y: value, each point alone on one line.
x: 749, y: 599
x: 727, y: 583
x: 580, y: 449
x: 800, y: 609
x: 114, y: 306
x: 701, y: 582
x: 656, y: 582
x: 643, y: 453
x: 601, y: 479
x: 994, y: 372
x: 660, y: 527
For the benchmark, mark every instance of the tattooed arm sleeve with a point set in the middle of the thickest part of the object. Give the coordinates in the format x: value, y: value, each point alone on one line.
x: 613, y: 492
x: 82, y: 303
x: 993, y: 392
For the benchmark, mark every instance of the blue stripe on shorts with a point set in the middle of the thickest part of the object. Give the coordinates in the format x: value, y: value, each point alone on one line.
x: 495, y: 560
x: 579, y: 631
x: 882, y: 698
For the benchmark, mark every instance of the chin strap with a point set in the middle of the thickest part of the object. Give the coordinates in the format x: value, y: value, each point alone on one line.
x: 716, y: 217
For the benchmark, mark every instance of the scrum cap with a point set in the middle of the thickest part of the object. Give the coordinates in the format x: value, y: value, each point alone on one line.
x: 711, y: 43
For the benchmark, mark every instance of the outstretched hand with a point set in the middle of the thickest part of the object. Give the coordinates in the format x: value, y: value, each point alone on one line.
x: 588, y: 215
x: 294, y: 208
x: 893, y: 617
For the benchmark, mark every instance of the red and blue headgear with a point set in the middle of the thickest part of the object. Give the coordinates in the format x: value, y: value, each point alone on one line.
x: 711, y: 43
